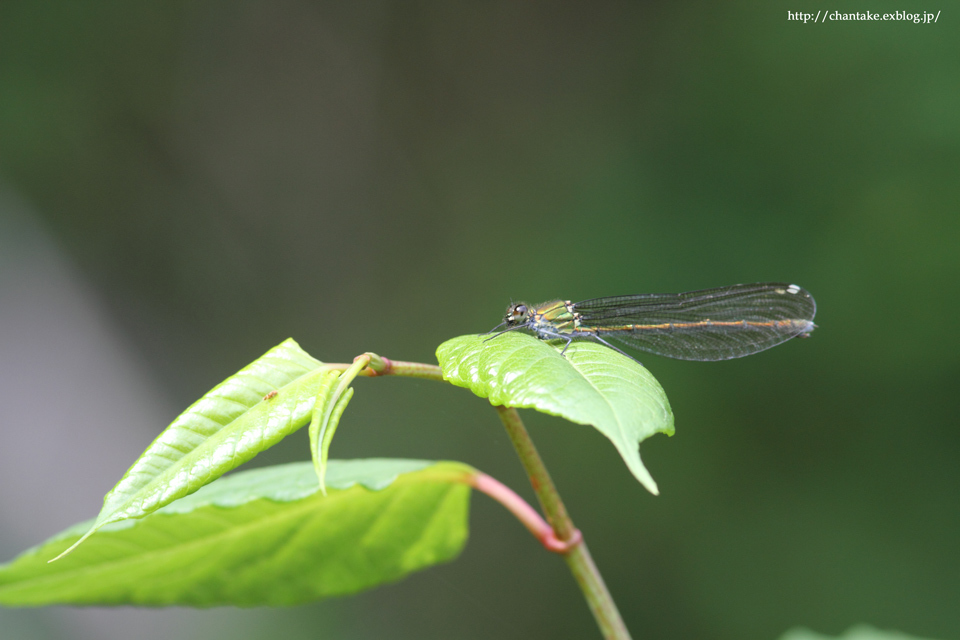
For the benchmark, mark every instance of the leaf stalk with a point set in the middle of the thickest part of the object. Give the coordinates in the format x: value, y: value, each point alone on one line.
x: 379, y: 366
x: 526, y: 514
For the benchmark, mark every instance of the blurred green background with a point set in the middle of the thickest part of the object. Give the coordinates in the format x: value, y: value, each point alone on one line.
x: 184, y: 185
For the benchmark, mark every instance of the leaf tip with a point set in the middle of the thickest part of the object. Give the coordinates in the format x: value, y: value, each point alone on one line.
x: 649, y: 483
x: 320, y: 468
x: 76, y: 544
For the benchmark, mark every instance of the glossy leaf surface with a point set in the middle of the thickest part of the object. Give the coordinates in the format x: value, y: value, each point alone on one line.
x: 590, y: 384
x: 859, y: 632
x: 243, y: 415
x: 261, y: 537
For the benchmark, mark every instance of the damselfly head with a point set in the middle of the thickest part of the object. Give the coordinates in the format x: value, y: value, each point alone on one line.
x: 517, y: 314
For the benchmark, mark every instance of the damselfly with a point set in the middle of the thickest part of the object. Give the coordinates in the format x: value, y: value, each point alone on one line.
x: 712, y: 324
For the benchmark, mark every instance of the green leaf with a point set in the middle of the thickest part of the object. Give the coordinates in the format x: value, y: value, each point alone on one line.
x: 261, y: 537
x: 243, y: 415
x: 329, y: 407
x: 858, y: 632
x: 320, y: 422
x: 590, y: 384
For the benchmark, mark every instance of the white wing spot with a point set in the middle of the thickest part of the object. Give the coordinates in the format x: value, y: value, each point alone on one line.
x: 793, y: 289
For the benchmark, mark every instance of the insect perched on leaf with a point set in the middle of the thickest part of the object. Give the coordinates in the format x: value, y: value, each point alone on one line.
x: 712, y: 324
x: 271, y: 395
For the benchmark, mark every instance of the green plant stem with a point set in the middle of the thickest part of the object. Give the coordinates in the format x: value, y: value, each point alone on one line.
x: 578, y: 558
x: 380, y: 366
x: 414, y: 370
x: 569, y: 539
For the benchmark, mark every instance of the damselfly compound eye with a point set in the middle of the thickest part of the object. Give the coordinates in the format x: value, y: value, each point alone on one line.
x: 516, y: 313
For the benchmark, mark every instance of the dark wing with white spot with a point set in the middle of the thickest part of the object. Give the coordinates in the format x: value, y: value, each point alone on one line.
x: 712, y: 324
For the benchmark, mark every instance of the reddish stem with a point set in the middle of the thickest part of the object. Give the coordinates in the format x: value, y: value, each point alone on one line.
x: 525, y: 514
